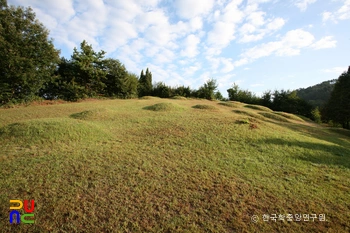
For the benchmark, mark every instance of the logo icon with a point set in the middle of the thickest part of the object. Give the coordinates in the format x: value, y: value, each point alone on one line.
x: 16, y: 214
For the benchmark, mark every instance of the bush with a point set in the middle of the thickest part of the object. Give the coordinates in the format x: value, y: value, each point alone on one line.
x: 316, y: 115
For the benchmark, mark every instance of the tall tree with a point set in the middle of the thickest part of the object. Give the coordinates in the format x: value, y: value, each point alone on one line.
x: 338, y: 106
x: 27, y: 56
x: 145, y: 83
x: 119, y: 82
x: 90, y: 72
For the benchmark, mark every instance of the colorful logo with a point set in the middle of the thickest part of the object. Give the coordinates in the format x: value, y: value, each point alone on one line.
x: 16, y: 214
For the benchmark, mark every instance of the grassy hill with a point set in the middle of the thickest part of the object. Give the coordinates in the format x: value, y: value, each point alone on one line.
x: 171, y: 165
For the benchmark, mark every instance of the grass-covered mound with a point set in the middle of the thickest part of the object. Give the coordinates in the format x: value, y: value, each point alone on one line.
x: 178, y: 97
x: 229, y: 104
x: 163, y: 107
x: 204, y: 107
x: 289, y: 116
x: 149, y: 97
x: 258, y: 107
x: 274, y: 116
x: 94, y: 114
x: 50, y: 130
x: 250, y: 114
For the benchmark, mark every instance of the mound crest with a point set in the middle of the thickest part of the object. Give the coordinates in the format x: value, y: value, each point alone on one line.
x: 94, y: 114
x: 51, y: 130
x: 163, y: 107
x: 258, y: 107
x: 179, y: 97
x: 273, y: 116
x: 149, y: 97
x: 250, y: 114
x: 204, y: 107
x: 289, y: 116
x: 228, y: 104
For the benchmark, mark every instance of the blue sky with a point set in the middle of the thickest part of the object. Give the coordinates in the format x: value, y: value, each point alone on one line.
x: 258, y: 44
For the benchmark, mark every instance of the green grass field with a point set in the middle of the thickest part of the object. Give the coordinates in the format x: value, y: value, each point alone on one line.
x: 171, y: 165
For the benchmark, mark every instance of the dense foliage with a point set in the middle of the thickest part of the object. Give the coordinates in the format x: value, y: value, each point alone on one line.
x: 338, y: 106
x: 317, y: 95
x: 27, y: 57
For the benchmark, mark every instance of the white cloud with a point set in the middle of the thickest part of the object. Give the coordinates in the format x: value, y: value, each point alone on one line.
x: 342, y: 13
x: 191, y: 69
x: 303, y: 4
x: 289, y: 45
x: 228, y: 65
x: 324, y: 43
x: 276, y: 24
x: 298, y: 38
x: 335, y: 70
x: 327, y: 16
x: 256, y: 18
x: 251, y: 38
x: 196, y: 23
x: 224, y: 28
x: 191, y: 8
x: 222, y: 34
x: 257, y: 25
x: 191, y: 43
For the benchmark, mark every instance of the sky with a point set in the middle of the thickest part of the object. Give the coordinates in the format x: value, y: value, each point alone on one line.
x: 258, y: 44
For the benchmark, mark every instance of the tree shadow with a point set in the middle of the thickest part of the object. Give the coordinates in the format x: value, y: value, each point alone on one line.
x: 336, y: 154
x: 333, y: 135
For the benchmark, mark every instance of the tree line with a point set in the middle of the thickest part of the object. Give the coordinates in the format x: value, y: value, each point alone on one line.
x: 31, y: 69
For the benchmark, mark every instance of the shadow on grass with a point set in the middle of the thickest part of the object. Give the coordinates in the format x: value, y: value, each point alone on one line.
x: 335, y: 155
x: 337, y: 136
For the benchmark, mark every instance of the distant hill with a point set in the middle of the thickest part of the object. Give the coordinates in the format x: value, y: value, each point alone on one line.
x: 318, y: 94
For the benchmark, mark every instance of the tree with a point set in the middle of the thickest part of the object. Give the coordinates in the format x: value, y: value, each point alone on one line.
x: 245, y: 96
x: 218, y: 95
x: 89, y: 69
x: 207, y: 91
x: 316, y: 115
x: 115, y: 82
x: 317, y: 95
x: 266, y: 99
x: 233, y: 92
x: 161, y: 90
x: 145, y: 84
x: 27, y: 57
x: 182, y: 91
x: 338, y: 106
x: 3, y: 4
x: 288, y: 101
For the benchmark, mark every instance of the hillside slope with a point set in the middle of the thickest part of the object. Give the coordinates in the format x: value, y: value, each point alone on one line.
x: 168, y: 165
